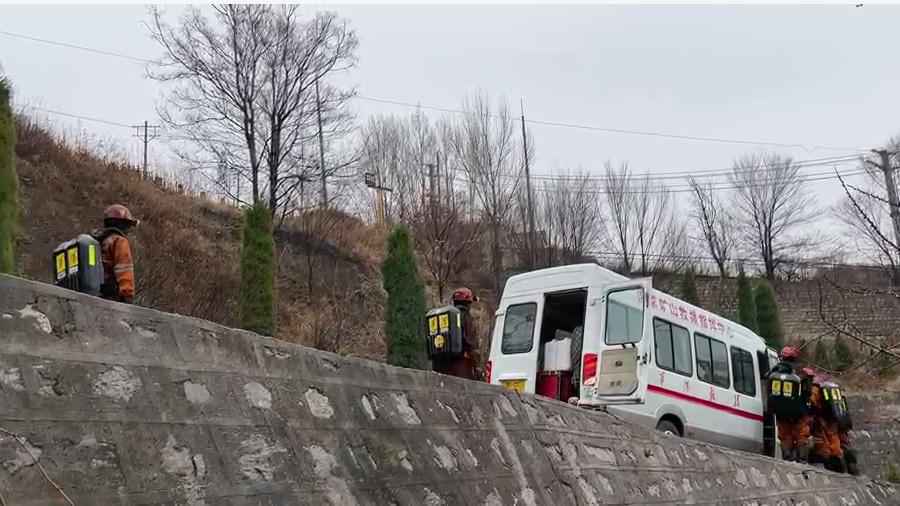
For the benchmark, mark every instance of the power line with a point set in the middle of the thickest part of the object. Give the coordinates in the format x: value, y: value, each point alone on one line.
x: 619, y: 130
x: 715, y: 185
x: 810, y: 177
x: 725, y: 185
x: 736, y: 260
x: 458, y: 111
x: 705, y: 173
x: 822, y: 176
x: 666, y: 175
x: 81, y: 117
x: 75, y: 46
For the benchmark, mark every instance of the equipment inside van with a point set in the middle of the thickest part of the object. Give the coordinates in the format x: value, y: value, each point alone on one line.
x: 561, y: 331
x: 77, y: 265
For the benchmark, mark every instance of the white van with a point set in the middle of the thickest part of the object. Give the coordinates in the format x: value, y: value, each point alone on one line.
x: 645, y: 356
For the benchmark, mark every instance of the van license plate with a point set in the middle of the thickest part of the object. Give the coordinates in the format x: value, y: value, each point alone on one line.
x: 514, y: 385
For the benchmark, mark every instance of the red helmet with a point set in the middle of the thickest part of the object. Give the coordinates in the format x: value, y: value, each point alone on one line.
x: 789, y: 352
x: 464, y: 295
x: 119, y: 212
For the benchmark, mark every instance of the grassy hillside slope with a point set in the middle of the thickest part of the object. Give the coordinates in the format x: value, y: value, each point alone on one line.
x: 186, y: 248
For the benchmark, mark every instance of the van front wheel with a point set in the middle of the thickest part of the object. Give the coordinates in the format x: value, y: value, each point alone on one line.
x: 668, y: 428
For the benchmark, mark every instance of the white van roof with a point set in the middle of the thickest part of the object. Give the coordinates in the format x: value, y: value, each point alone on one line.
x: 565, y: 277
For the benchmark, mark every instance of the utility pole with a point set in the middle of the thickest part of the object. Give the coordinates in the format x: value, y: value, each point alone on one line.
x: 143, y: 132
x: 530, y: 240
x: 891, y: 185
x: 321, y: 148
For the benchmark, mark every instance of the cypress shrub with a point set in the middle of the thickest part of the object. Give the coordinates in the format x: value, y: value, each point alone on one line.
x: 9, y: 206
x: 405, y: 308
x: 768, y: 316
x: 257, y: 299
x: 821, y: 356
x: 843, y: 355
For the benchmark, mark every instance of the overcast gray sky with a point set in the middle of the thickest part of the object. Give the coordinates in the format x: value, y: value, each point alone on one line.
x: 813, y: 75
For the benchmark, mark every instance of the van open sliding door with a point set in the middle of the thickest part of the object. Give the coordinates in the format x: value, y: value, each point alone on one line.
x: 770, y: 441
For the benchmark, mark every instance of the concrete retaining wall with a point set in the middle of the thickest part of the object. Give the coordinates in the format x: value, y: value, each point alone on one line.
x: 876, y: 420
x: 124, y: 405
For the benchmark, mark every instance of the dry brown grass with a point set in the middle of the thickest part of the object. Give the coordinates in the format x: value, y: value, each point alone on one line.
x: 186, y: 255
x: 187, y: 249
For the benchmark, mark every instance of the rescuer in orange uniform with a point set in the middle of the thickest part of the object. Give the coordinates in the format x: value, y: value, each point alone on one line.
x: 826, y: 434
x: 794, y: 423
x: 840, y: 421
x: 463, y: 366
x: 118, y: 263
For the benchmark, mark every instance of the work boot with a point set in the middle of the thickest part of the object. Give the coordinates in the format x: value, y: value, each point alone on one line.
x: 850, y: 462
x: 834, y: 464
x: 802, y: 453
x: 788, y: 454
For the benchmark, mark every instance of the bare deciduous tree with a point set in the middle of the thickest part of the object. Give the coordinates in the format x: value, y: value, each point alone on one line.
x: 772, y: 205
x: 571, y: 218
x: 883, y: 351
x: 244, y: 94
x: 422, y: 160
x: 383, y: 153
x: 866, y: 212
x: 448, y: 242
x: 643, y: 223
x: 410, y: 155
x: 484, y: 146
x: 398, y: 151
x: 619, y: 201
x: 715, y: 223
x: 652, y: 222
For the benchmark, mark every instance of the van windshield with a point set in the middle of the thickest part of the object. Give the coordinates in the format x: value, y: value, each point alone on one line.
x: 625, y: 316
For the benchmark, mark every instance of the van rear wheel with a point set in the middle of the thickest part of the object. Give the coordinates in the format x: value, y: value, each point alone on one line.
x: 668, y: 428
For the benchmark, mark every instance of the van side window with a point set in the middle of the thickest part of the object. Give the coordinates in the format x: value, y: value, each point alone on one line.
x: 625, y: 316
x: 712, y: 361
x: 673, y: 347
x: 518, y: 328
x: 742, y: 368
